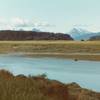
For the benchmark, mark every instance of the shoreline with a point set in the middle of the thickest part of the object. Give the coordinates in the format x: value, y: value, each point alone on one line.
x: 21, y: 87
x: 72, y: 56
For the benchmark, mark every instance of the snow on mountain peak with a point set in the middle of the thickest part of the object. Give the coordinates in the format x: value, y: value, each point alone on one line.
x: 78, y: 31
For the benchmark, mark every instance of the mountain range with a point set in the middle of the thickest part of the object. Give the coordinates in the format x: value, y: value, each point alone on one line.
x: 81, y: 34
x: 74, y: 34
x: 94, y: 38
x: 32, y: 35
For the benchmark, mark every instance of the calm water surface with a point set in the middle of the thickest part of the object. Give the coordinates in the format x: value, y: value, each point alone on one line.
x: 86, y: 73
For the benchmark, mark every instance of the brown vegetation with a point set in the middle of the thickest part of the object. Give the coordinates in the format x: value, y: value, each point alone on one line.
x: 21, y: 87
x: 80, y: 50
x: 30, y: 88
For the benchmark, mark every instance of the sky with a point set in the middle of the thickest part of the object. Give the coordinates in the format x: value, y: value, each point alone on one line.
x: 50, y: 15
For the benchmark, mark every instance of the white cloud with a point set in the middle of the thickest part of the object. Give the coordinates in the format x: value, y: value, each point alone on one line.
x: 2, y: 21
x: 20, y: 23
x: 89, y: 27
x: 81, y: 25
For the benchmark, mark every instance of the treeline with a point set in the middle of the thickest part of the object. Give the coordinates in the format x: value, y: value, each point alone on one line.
x: 30, y: 35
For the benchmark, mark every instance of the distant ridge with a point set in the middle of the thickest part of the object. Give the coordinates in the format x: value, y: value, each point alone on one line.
x: 81, y: 34
x: 32, y: 35
x: 95, y: 38
x: 36, y: 30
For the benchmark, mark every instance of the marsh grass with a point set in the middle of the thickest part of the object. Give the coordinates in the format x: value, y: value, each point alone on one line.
x: 50, y: 46
x: 39, y: 87
x: 30, y: 88
x: 82, y: 50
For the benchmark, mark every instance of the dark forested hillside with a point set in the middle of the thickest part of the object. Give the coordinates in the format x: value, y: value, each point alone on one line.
x: 30, y: 35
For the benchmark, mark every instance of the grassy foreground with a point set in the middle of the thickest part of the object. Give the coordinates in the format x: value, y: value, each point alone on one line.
x: 87, y: 50
x: 21, y: 87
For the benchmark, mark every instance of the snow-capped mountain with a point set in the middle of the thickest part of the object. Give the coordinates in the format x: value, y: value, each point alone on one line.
x: 81, y: 34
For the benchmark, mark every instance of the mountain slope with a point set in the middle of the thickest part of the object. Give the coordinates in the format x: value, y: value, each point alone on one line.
x: 80, y: 34
x: 95, y: 38
x: 36, y: 30
x: 33, y: 35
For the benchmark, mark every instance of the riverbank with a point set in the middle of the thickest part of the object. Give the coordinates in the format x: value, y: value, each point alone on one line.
x: 81, y: 50
x: 73, y: 56
x: 21, y: 87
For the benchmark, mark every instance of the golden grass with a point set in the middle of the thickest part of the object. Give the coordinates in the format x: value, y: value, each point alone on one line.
x: 30, y: 88
x: 51, y: 41
x: 53, y: 48
x: 21, y: 87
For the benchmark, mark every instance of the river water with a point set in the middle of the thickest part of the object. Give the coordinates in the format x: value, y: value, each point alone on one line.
x: 85, y: 73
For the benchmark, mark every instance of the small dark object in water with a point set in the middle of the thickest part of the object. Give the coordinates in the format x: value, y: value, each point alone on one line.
x: 75, y: 59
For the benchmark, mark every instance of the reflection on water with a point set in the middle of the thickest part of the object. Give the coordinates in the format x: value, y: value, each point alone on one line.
x: 86, y: 73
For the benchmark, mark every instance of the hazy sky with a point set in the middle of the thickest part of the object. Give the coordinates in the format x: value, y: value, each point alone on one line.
x: 51, y: 15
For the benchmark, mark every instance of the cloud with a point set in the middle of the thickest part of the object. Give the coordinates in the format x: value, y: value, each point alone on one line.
x: 89, y: 27
x: 81, y: 25
x: 2, y: 21
x: 20, y: 23
x: 44, y: 25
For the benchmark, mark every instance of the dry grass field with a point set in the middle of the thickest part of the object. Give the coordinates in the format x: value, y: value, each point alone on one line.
x: 89, y: 50
x: 22, y: 87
